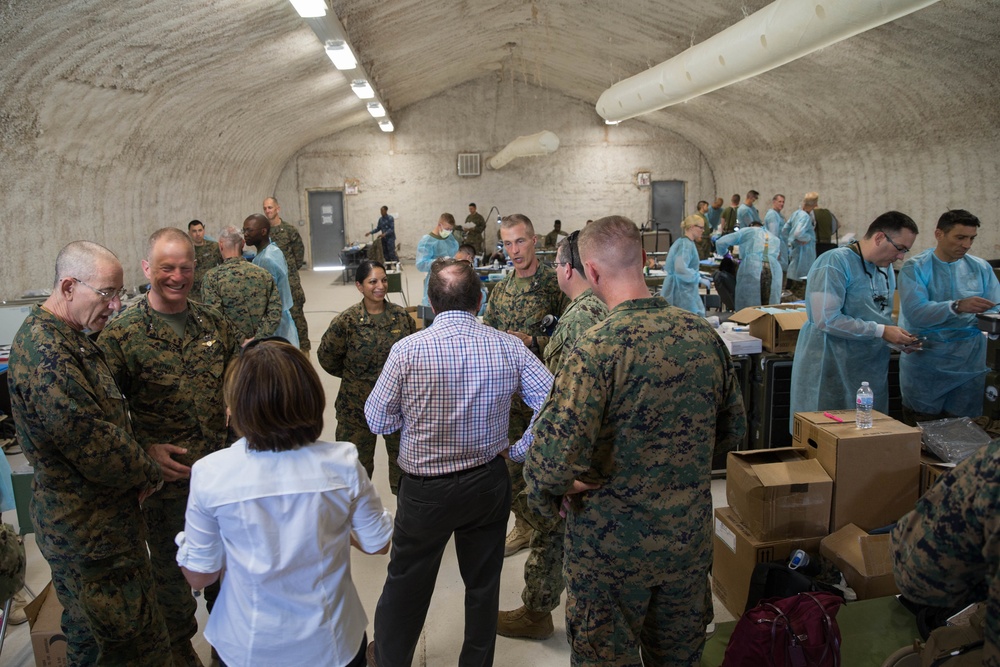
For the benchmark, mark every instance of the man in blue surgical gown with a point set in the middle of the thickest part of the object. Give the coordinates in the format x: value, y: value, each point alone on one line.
x: 849, y: 298
x: 799, y: 233
x: 941, y: 290
x: 759, y: 278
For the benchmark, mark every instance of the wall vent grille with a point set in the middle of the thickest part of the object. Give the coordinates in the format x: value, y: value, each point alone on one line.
x: 468, y: 164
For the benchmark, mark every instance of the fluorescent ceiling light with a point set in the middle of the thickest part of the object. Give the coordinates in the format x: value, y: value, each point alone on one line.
x: 386, y: 125
x: 340, y: 54
x: 611, y: 122
x: 376, y: 110
x: 362, y: 89
x: 310, y: 9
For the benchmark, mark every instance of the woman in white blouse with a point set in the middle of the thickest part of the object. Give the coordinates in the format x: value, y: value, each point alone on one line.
x: 277, y: 511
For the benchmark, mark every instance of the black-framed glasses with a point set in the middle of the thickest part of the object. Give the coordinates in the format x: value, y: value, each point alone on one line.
x: 900, y: 249
x: 107, y: 295
x: 574, y: 251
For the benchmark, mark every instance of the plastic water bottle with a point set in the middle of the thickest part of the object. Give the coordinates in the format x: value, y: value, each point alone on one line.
x: 863, y: 416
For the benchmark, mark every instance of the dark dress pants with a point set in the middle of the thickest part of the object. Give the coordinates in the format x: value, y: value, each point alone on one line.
x: 474, y: 506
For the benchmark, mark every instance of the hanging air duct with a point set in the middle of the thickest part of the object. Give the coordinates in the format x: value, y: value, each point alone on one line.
x: 543, y: 143
x: 775, y: 35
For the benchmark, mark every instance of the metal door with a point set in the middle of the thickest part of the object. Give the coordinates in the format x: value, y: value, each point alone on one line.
x: 667, y: 207
x: 326, y: 228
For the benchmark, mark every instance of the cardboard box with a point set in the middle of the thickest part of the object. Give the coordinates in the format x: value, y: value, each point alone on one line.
x: 47, y: 638
x: 740, y: 342
x: 778, y: 329
x: 875, y: 471
x: 412, y: 310
x: 931, y: 469
x: 779, y: 493
x: 804, y: 420
x: 735, y: 553
x: 865, y: 560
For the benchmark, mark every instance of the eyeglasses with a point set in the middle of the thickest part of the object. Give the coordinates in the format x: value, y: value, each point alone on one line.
x: 901, y: 249
x: 104, y: 294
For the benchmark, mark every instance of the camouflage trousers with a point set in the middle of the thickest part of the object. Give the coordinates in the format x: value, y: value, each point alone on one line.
x: 298, y: 315
x: 364, y: 440
x: 165, y: 518
x: 110, y: 614
x: 608, y: 626
x: 543, y: 571
x: 520, y: 417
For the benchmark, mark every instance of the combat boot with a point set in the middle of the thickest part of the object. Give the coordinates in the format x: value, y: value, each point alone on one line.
x: 518, y: 538
x: 522, y: 623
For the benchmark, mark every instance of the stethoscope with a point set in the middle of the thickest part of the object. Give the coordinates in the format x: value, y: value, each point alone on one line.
x: 881, y: 300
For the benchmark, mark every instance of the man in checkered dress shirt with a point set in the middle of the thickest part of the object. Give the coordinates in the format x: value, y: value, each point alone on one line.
x: 449, y: 389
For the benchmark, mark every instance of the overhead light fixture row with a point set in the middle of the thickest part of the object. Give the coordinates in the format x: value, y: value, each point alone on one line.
x: 386, y: 125
x: 376, y: 110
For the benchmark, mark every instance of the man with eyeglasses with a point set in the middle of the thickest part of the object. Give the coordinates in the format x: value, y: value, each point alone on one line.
x: 169, y: 356
x: 543, y: 578
x: 91, y: 473
x: 941, y: 290
x: 623, y: 446
x: 844, y: 342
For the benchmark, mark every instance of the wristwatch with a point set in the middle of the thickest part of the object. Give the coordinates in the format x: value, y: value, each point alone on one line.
x: 954, y: 306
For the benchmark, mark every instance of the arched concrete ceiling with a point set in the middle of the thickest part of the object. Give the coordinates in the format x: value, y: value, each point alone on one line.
x: 231, y: 79
x: 116, y: 108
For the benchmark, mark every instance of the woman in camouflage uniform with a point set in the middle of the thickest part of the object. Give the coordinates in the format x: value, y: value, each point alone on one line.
x: 354, y: 348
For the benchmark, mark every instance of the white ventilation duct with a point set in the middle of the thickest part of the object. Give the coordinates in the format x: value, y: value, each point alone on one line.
x: 543, y: 143
x: 775, y: 35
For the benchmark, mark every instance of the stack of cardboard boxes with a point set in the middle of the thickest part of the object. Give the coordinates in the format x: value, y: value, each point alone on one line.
x: 823, y: 495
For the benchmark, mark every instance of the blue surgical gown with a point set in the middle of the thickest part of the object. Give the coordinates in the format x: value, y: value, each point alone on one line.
x: 949, y: 375
x: 773, y: 222
x: 680, y: 285
x: 430, y: 248
x: 713, y: 215
x: 839, y: 346
x: 752, y: 241
x: 273, y: 259
x: 800, y: 235
x: 745, y: 215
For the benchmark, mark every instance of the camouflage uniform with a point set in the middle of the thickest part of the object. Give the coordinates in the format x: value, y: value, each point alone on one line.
x: 543, y: 578
x: 206, y: 257
x: 72, y: 423
x: 520, y: 305
x: 286, y: 237
x: 637, y: 406
x: 947, y: 549
x: 174, y: 389
x: 354, y: 348
x: 246, y: 294
x: 475, y: 237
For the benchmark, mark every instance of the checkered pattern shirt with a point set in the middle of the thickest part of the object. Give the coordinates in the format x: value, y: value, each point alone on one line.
x: 449, y: 389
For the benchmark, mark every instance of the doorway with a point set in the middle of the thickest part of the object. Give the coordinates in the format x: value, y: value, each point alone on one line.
x: 667, y: 207
x: 326, y: 228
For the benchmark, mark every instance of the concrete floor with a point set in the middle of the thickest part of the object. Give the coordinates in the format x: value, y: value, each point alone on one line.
x: 440, y: 643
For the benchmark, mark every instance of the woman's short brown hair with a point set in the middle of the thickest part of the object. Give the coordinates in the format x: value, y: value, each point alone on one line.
x: 274, y: 397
